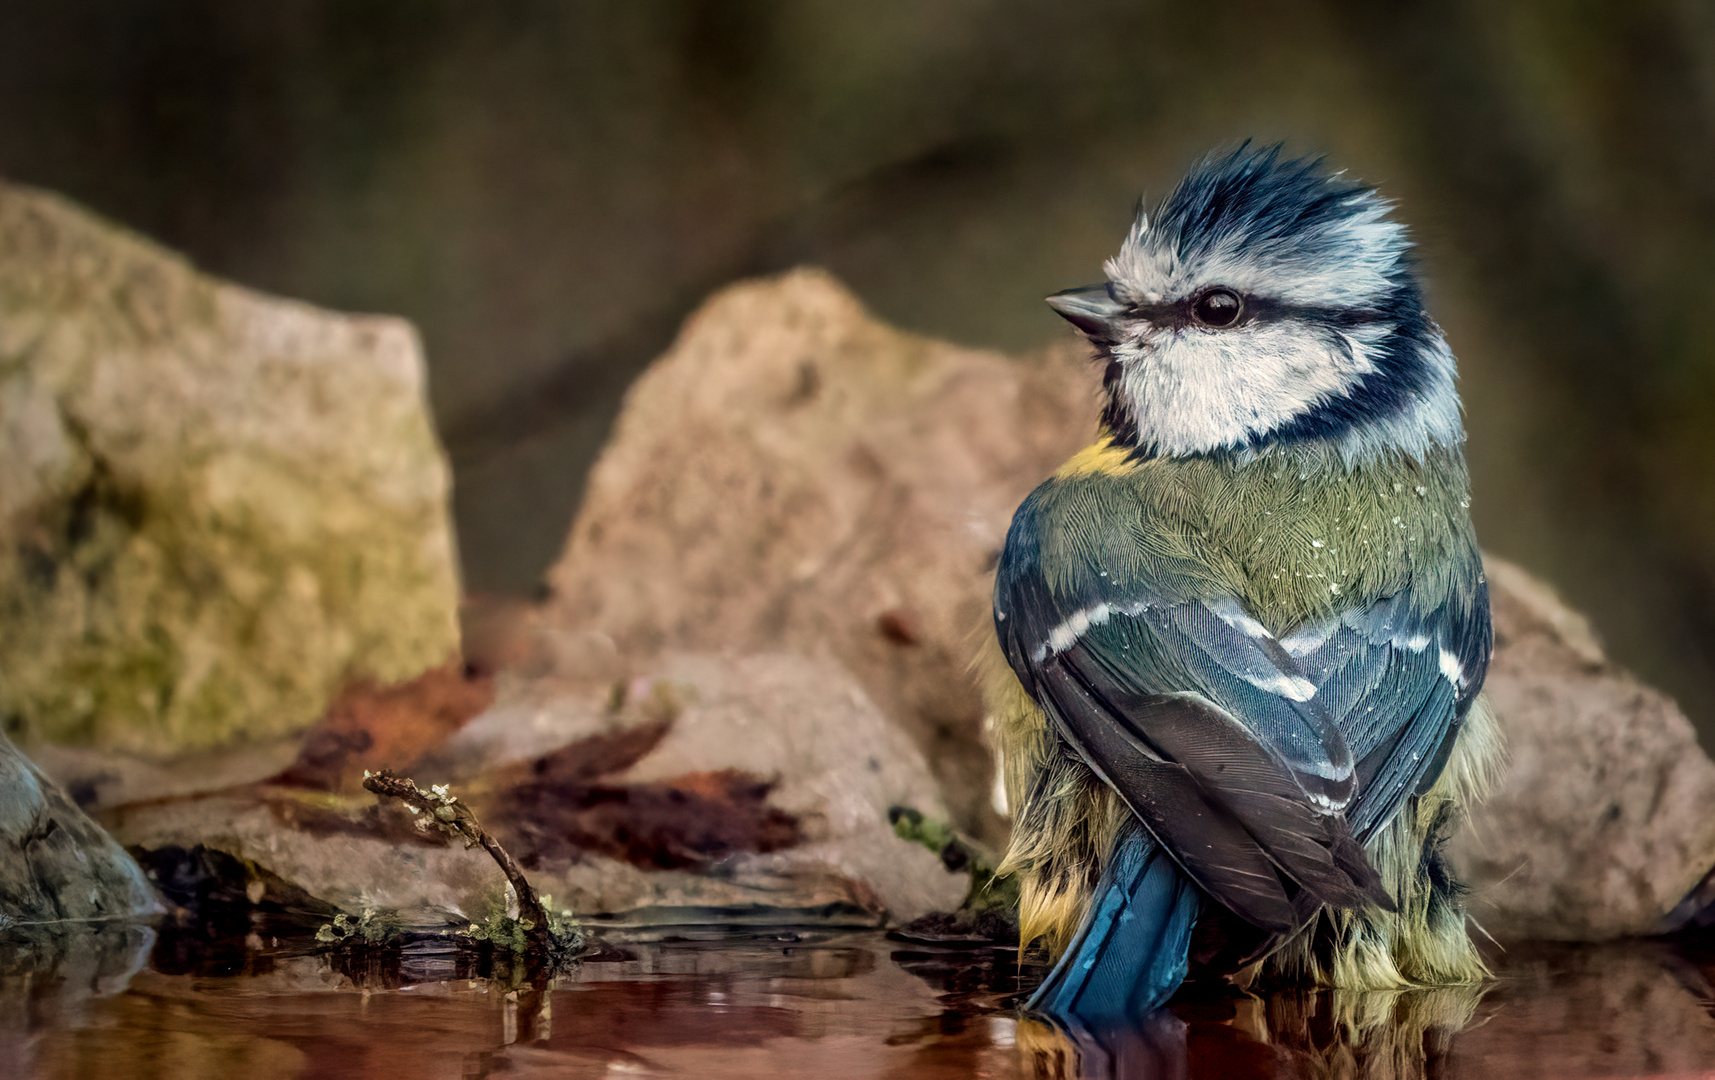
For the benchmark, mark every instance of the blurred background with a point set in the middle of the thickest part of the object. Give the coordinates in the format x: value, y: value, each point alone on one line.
x: 547, y: 189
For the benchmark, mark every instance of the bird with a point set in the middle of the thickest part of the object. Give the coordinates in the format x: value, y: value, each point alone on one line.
x: 1235, y: 687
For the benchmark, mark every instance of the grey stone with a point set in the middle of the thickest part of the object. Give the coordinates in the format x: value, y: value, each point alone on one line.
x: 215, y: 506
x: 56, y: 865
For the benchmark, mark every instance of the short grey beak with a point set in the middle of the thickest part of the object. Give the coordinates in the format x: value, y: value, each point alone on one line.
x: 1091, y: 309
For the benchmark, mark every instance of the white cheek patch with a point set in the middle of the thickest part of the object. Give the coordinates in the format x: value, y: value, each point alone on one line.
x: 1195, y: 390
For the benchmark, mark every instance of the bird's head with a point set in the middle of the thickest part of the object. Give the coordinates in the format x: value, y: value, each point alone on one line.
x: 1266, y: 301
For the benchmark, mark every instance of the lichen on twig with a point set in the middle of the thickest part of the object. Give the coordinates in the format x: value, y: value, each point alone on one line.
x: 440, y: 810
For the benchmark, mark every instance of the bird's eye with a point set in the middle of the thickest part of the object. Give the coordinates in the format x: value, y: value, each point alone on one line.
x: 1218, y: 308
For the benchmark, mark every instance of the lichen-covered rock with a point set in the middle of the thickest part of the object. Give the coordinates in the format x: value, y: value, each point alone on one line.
x: 56, y: 864
x: 1604, y: 819
x: 794, y: 475
x: 710, y: 782
x: 215, y: 507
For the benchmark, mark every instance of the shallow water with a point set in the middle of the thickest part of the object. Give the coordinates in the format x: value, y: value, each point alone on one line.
x: 708, y: 1001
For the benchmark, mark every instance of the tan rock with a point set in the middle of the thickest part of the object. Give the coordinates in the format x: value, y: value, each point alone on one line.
x: 215, y: 506
x: 724, y: 782
x: 1605, y: 817
x: 793, y: 475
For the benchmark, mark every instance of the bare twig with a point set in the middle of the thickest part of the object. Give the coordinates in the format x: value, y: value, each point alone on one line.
x: 445, y: 812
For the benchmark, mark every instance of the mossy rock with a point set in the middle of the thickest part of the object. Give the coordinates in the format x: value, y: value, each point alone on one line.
x: 216, y: 507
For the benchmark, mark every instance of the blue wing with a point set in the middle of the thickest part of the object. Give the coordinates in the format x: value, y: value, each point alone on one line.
x: 1260, y: 763
x: 1397, y: 677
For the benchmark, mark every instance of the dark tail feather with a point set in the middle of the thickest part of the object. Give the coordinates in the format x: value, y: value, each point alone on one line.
x: 1129, y: 955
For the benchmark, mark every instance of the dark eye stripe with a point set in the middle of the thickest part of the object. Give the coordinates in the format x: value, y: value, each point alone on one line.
x: 1180, y: 313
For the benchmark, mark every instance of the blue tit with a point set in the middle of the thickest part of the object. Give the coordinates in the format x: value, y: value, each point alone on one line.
x: 1244, y: 632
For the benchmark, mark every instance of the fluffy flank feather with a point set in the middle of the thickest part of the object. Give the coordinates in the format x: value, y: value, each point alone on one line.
x: 1478, y: 759
x: 1064, y: 818
x: 1016, y: 727
x: 1061, y: 836
x: 1426, y: 943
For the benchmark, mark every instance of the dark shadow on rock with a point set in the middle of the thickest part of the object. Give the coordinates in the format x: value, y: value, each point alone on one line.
x: 223, y: 909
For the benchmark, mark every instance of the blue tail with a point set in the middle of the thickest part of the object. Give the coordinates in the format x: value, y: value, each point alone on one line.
x: 1130, y: 953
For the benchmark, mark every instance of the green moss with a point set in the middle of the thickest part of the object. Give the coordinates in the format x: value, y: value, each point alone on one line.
x: 207, y: 573
x: 374, y: 927
x: 511, y: 934
x: 381, y: 928
x: 988, y: 891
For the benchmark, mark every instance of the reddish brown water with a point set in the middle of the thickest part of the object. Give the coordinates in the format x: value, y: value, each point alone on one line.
x: 826, y: 1004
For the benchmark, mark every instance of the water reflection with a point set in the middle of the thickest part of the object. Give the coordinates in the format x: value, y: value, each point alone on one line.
x: 1554, y: 1011
x: 1388, y: 1036
x: 714, y: 1002
x: 49, y: 976
x: 1383, y: 1036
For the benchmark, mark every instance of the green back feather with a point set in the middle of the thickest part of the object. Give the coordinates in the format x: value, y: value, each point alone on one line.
x: 1294, y: 533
